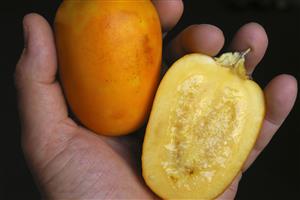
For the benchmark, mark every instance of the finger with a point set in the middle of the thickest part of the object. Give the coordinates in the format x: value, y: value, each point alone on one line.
x: 40, y: 98
x: 231, y: 191
x: 203, y: 38
x: 280, y: 96
x: 170, y: 11
x: 252, y: 36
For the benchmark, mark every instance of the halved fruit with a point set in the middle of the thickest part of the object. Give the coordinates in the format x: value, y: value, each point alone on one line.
x: 204, y: 122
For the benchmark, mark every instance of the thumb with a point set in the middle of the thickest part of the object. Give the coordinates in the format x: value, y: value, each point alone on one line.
x: 40, y: 99
x: 38, y: 60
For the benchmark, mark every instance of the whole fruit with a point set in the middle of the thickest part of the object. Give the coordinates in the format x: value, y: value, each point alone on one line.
x: 109, y: 61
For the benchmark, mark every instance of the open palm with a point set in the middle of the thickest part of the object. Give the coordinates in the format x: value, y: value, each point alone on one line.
x: 70, y: 162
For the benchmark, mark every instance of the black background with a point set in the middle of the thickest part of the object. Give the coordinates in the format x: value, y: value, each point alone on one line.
x: 275, y: 174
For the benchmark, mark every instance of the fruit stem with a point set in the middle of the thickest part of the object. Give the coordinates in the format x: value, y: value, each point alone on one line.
x: 234, y: 61
x: 243, y: 54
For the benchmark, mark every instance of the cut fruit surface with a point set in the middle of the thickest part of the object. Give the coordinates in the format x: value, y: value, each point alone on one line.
x: 204, y: 122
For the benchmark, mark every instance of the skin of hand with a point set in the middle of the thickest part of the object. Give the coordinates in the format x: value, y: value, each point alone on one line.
x: 70, y: 162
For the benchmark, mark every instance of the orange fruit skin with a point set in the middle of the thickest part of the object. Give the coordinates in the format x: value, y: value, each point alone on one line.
x: 109, y: 56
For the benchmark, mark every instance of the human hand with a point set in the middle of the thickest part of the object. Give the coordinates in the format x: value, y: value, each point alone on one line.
x: 70, y: 162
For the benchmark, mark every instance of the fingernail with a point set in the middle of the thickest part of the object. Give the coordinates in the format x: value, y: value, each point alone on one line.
x: 25, y: 34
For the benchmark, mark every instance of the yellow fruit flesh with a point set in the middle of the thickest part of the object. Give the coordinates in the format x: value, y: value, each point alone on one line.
x: 204, y: 122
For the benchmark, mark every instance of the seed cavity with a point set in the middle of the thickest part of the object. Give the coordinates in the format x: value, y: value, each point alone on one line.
x: 203, y: 126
